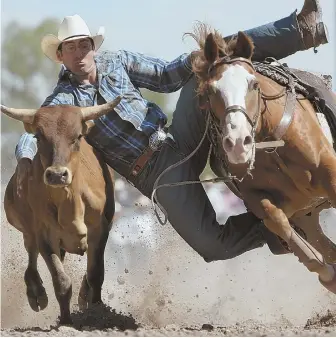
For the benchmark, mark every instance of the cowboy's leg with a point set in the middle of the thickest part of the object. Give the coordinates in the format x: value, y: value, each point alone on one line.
x: 188, y: 207
x: 193, y: 217
x: 291, y: 34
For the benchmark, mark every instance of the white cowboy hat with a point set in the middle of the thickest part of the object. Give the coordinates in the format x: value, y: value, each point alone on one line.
x: 73, y: 27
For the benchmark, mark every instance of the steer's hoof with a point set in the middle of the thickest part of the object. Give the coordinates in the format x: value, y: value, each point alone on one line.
x: 331, y: 285
x: 37, y: 300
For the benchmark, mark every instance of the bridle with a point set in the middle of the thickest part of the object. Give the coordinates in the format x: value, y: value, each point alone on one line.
x: 216, y: 123
x: 235, y: 108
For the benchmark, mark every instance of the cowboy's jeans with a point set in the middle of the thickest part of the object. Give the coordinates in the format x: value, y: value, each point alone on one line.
x: 277, y: 39
x: 188, y: 207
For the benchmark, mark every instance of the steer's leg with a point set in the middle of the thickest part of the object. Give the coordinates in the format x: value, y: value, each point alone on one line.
x: 37, y: 297
x: 277, y: 222
x: 61, y: 281
x: 97, y: 239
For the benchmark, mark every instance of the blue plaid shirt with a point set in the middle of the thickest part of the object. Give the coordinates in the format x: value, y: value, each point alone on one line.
x: 122, y: 134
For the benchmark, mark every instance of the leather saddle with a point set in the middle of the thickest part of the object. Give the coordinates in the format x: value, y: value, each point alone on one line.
x: 316, y: 88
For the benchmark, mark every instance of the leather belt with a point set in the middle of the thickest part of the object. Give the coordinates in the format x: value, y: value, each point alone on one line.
x: 156, y: 141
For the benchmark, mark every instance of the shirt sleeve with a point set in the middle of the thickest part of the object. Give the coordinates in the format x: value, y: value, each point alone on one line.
x: 156, y: 74
x: 27, y: 145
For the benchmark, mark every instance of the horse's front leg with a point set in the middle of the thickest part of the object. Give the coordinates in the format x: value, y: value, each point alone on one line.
x: 310, y: 224
x: 276, y: 220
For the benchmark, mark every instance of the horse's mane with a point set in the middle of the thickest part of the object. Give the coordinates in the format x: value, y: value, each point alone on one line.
x: 200, y: 65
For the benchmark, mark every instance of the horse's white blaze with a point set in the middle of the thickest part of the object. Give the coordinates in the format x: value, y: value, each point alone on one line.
x: 234, y: 86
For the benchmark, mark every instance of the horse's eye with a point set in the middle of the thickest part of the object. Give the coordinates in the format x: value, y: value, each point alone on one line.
x: 255, y: 85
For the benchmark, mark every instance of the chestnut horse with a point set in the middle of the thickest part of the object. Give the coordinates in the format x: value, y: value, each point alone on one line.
x: 245, y: 110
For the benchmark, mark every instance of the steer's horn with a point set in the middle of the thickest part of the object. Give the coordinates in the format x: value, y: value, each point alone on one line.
x: 23, y: 115
x: 91, y: 113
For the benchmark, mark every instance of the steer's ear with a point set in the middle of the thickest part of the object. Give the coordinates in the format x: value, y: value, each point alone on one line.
x: 87, y: 127
x: 29, y: 128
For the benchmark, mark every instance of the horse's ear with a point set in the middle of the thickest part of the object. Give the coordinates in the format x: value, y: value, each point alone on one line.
x: 244, y: 46
x: 211, y: 49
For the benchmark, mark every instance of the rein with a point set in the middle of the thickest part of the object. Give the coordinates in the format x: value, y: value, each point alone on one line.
x: 169, y: 185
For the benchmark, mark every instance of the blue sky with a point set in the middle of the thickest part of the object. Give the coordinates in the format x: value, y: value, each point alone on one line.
x: 156, y: 27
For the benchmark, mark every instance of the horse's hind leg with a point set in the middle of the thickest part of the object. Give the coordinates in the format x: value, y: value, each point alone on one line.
x: 277, y: 221
x: 37, y: 297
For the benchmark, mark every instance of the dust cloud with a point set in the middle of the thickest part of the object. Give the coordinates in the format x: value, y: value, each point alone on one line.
x: 152, y: 274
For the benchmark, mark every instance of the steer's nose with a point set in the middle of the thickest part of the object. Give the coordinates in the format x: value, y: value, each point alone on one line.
x: 57, y: 176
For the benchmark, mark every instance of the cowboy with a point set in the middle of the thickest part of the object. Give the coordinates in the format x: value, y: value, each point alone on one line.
x: 134, y: 138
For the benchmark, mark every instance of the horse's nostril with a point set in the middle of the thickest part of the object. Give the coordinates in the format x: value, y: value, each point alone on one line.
x: 248, y: 140
x: 48, y: 174
x: 228, y: 144
x: 65, y: 174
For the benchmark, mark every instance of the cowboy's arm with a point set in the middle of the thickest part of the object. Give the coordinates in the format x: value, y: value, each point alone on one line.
x: 26, y: 147
x: 156, y: 74
x: 25, y: 151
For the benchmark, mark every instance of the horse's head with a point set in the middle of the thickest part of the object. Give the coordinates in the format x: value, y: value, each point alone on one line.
x: 230, y: 89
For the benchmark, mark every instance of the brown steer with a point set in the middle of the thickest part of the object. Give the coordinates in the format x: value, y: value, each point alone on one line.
x: 67, y: 203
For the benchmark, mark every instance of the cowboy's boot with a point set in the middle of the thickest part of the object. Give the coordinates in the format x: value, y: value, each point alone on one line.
x: 313, y: 31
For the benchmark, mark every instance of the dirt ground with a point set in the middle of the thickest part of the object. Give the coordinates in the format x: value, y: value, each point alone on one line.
x: 105, y: 322
x: 157, y: 286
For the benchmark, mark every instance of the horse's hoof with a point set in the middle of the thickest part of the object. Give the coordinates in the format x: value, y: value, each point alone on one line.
x: 331, y: 285
x: 65, y: 321
x: 38, y: 301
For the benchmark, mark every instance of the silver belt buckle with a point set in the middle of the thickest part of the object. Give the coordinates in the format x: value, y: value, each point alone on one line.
x: 156, y: 139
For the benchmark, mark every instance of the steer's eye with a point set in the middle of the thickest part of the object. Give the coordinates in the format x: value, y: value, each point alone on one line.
x: 76, y: 140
